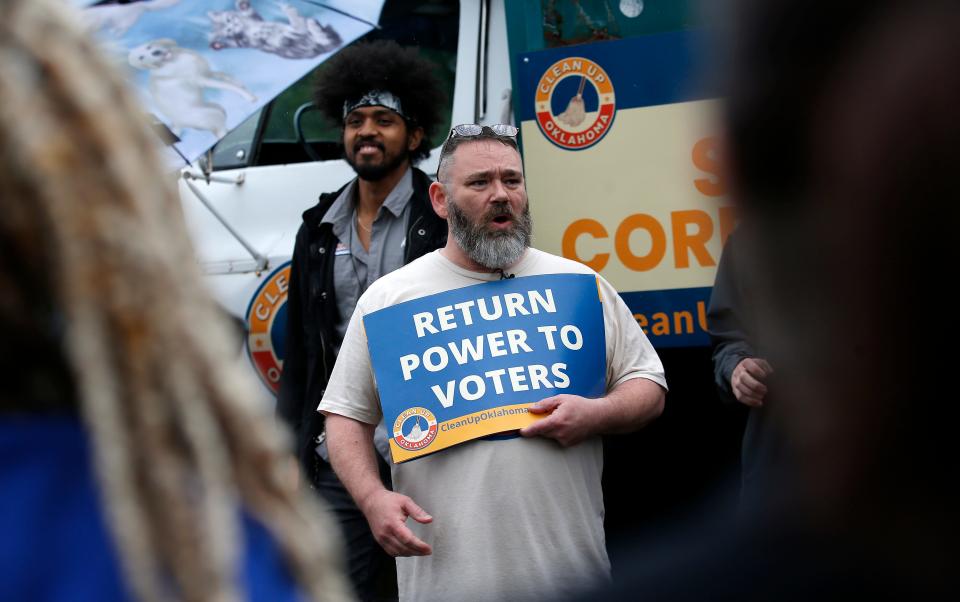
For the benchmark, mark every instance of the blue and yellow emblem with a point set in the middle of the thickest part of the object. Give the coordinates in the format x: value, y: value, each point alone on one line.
x: 266, y: 326
x: 415, y: 429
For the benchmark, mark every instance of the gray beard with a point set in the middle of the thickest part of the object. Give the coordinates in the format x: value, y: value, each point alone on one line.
x: 494, y: 250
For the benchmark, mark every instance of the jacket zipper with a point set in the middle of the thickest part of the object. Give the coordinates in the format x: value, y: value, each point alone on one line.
x: 323, y: 358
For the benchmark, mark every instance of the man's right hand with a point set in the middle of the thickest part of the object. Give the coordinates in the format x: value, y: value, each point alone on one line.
x: 387, y: 512
x: 748, y: 381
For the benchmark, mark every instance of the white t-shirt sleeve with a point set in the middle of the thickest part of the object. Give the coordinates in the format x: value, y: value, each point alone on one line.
x: 352, y: 390
x: 629, y: 353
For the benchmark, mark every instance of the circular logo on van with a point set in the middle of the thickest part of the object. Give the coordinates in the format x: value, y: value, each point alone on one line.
x: 267, y: 326
x: 415, y: 428
x: 575, y: 103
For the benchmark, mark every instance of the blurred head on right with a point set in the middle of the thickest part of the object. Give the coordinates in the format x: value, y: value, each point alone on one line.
x: 842, y: 129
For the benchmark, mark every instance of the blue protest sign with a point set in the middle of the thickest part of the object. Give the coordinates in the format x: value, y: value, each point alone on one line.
x: 467, y: 363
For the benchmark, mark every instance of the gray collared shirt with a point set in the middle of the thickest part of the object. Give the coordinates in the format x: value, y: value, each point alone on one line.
x: 355, y: 268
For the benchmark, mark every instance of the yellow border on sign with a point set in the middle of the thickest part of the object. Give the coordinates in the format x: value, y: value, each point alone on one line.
x: 471, y: 426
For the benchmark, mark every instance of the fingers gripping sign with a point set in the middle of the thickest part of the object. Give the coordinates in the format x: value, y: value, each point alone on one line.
x: 569, y: 420
x: 387, y: 513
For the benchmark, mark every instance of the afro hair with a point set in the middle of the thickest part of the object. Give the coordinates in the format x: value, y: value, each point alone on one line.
x: 383, y: 65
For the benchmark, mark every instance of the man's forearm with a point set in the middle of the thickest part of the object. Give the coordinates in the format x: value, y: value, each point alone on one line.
x: 351, y: 452
x: 350, y: 443
x: 631, y: 405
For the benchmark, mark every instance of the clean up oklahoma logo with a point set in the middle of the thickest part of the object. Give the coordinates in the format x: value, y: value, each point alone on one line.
x: 415, y: 428
x: 267, y: 326
x: 575, y: 103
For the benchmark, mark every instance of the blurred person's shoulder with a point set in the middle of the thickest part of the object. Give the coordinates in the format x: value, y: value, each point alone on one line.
x: 57, y: 544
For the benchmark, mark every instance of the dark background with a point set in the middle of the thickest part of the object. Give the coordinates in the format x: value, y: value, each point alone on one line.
x: 684, y: 464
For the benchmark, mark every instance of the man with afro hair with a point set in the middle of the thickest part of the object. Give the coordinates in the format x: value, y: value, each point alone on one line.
x: 389, y: 105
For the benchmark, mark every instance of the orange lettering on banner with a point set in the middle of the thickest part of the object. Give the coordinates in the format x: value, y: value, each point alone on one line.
x: 683, y: 321
x: 679, y: 319
x: 573, y: 232
x: 702, y: 315
x: 661, y: 326
x: 692, y: 230
x: 658, y: 240
x: 728, y: 221
x: 696, y: 242
x: 704, y: 158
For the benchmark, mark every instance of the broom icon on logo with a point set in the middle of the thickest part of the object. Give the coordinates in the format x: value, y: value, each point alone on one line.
x: 575, y: 113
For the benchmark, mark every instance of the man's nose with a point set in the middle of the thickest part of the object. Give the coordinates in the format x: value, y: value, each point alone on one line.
x: 499, y: 191
x: 367, y: 128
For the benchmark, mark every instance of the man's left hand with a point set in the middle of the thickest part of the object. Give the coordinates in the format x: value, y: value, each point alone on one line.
x: 572, y: 419
x: 627, y: 407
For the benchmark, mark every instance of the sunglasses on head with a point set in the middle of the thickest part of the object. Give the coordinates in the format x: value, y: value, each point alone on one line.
x: 472, y: 130
x: 467, y: 130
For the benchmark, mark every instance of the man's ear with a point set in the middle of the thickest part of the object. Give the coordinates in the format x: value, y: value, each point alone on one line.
x: 438, y: 198
x: 414, y: 138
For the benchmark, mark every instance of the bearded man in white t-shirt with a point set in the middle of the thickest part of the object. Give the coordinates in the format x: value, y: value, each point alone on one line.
x: 493, y: 519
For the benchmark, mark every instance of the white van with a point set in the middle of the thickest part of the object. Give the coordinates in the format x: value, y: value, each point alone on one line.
x: 243, y: 202
x: 655, y: 217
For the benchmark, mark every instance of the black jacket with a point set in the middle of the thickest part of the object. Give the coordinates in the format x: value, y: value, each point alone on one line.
x: 732, y: 324
x: 312, y: 311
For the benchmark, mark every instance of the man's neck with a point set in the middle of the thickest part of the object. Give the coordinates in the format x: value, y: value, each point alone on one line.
x: 455, y: 254
x: 371, y: 195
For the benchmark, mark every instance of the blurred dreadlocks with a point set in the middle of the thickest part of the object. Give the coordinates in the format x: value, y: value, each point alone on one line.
x: 104, y: 314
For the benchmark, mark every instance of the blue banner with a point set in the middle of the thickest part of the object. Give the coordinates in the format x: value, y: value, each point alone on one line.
x: 672, y: 318
x: 630, y: 125
x: 646, y: 71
